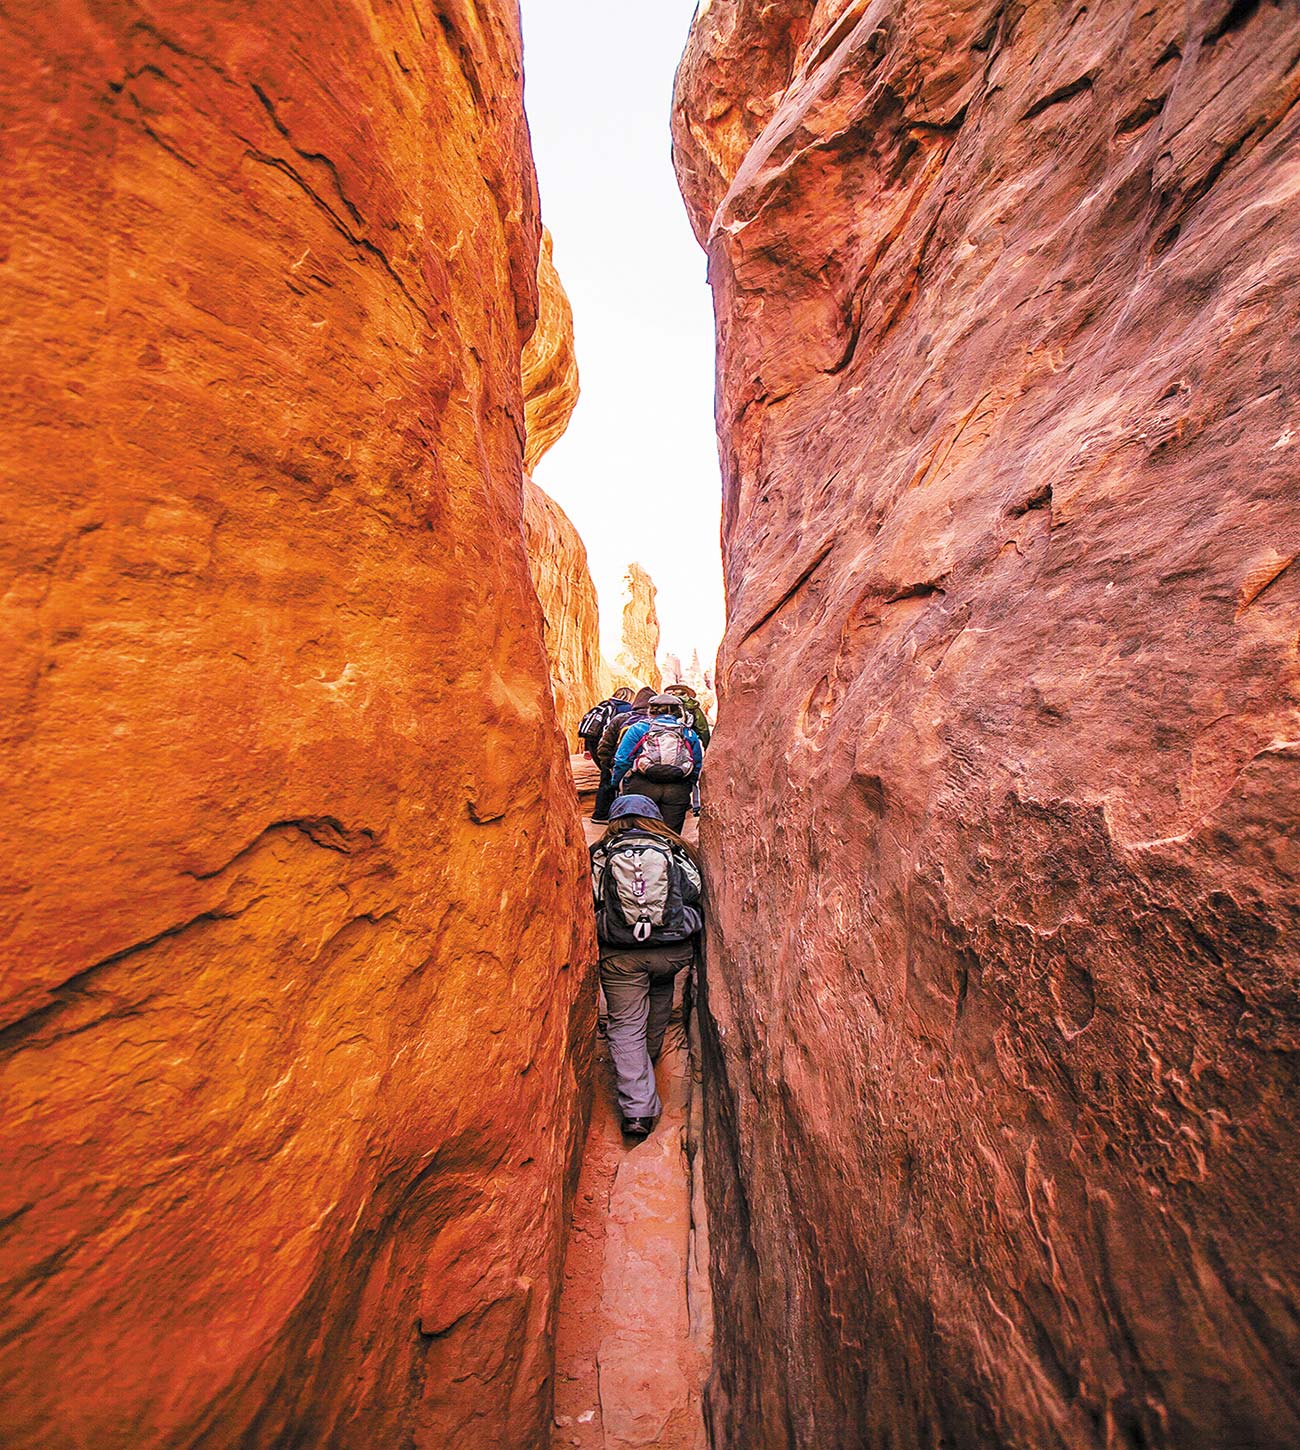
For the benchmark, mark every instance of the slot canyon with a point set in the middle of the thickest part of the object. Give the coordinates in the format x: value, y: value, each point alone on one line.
x: 978, y: 1109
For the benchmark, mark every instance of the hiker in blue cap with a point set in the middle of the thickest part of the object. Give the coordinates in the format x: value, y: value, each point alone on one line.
x: 649, y: 912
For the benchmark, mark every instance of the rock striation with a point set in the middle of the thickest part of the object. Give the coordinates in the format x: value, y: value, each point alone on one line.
x: 557, y: 557
x: 637, y: 662
x: 558, y: 560
x: 1002, y: 985
x: 549, y: 364
x: 296, y: 994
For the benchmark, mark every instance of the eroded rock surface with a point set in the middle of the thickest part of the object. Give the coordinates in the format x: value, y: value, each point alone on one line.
x: 295, y: 912
x: 558, y: 560
x: 549, y: 365
x: 1001, y: 807
x: 557, y: 556
x: 637, y: 662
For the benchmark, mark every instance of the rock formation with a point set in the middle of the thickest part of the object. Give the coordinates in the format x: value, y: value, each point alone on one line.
x: 549, y: 364
x: 1001, y: 812
x: 558, y: 560
x: 556, y: 554
x: 294, y: 903
x: 637, y: 662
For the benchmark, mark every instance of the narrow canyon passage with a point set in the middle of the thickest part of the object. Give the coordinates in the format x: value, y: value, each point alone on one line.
x: 994, y: 1102
x: 635, y: 1319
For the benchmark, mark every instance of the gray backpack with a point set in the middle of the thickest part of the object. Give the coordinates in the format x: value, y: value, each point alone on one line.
x: 645, y: 892
x: 664, y: 752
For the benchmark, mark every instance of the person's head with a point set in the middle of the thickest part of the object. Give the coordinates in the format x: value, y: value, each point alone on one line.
x: 643, y: 697
x: 666, y: 705
x: 623, y: 693
x: 684, y: 691
x: 634, y: 812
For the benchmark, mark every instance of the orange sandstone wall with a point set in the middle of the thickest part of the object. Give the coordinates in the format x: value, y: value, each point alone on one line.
x: 1001, y: 819
x: 557, y: 556
x: 550, y: 366
x: 567, y: 595
x: 294, y: 914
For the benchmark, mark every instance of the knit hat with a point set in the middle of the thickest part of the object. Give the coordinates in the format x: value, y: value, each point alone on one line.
x: 634, y: 805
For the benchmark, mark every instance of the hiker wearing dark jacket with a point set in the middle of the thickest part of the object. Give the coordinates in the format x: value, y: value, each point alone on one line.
x: 593, y: 723
x: 598, y: 719
x: 649, y: 910
x: 660, y: 757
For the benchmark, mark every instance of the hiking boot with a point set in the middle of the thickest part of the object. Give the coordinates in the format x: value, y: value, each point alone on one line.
x: 599, y: 820
x: 638, y: 1127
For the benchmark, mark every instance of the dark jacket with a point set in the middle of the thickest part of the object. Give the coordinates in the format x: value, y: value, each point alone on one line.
x: 620, y: 707
x: 604, y: 752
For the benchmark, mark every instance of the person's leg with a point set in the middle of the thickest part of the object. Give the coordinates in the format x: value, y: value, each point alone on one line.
x: 604, y: 798
x: 663, y: 973
x: 673, y: 804
x: 627, y: 997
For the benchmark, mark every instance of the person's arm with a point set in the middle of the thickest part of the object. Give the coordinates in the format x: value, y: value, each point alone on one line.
x: 697, y: 752
x: 626, y: 748
x: 608, y: 742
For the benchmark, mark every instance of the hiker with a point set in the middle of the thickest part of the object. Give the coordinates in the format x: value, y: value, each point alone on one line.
x: 700, y: 721
x: 660, y: 757
x: 649, y: 909
x: 591, y: 727
x: 609, y: 745
x: 694, y: 710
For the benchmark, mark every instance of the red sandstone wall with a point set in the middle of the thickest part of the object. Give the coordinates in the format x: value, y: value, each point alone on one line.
x: 294, y: 910
x: 1002, y: 801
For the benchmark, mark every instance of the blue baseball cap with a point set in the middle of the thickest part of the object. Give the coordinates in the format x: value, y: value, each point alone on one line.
x: 634, y: 805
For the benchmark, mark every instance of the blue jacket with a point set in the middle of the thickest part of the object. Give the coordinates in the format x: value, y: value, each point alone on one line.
x: 635, y: 734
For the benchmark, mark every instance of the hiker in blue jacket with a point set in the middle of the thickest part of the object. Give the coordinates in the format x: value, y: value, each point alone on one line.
x: 660, y: 757
x: 648, y: 891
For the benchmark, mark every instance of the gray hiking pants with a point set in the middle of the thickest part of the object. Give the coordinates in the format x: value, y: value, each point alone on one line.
x: 638, y: 984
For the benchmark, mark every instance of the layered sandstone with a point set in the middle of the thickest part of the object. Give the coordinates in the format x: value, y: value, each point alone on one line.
x: 549, y: 364
x: 637, y: 661
x: 1001, y: 812
x: 557, y: 557
x: 294, y: 905
x: 558, y: 560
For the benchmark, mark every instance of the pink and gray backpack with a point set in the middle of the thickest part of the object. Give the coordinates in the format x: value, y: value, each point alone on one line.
x: 664, y: 752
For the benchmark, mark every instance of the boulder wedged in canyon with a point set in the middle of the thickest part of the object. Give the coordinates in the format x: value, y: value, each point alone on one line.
x: 1001, y: 809
x: 557, y: 556
x: 637, y: 661
x: 297, y: 929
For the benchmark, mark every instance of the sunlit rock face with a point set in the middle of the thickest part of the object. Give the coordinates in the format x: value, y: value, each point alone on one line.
x: 1000, y: 817
x: 550, y: 367
x: 558, y: 560
x: 295, y: 916
x: 556, y: 554
x: 637, y: 663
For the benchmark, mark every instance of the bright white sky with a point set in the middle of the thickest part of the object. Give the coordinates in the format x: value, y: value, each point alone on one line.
x: 637, y: 471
